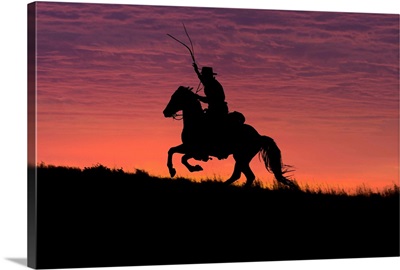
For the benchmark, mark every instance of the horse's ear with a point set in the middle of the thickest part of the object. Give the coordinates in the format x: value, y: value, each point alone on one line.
x: 190, y: 88
x: 180, y: 88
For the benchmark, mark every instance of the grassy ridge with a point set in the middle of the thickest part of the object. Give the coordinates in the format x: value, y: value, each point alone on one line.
x: 98, y: 216
x: 101, y: 172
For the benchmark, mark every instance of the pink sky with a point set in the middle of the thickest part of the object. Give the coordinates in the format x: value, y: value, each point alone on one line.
x: 323, y: 85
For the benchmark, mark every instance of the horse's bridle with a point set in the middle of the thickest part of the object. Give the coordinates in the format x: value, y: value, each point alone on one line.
x: 176, y: 115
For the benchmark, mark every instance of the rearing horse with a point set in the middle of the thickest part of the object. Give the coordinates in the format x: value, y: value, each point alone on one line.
x: 242, y: 141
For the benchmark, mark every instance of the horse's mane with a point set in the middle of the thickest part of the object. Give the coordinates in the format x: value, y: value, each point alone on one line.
x: 184, y: 89
x: 186, y: 92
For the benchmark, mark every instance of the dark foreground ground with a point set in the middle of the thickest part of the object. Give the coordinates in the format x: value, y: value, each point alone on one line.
x: 99, y: 217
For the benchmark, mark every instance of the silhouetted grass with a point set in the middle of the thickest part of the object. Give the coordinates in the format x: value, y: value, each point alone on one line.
x: 97, y: 216
x: 100, y: 172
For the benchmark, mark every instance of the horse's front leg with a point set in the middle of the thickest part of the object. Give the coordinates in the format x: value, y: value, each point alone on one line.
x: 190, y: 167
x: 176, y: 149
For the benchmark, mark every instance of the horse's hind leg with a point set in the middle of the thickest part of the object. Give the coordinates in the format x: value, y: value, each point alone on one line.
x: 249, y: 174
x: 235, y: 175
x: 239, y: 168
x: 243, y: 165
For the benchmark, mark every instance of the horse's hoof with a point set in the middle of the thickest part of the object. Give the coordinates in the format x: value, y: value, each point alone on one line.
x: 247, y: 185
x: 196, y: 168
x: 172, y: 172
x: 290, y: 184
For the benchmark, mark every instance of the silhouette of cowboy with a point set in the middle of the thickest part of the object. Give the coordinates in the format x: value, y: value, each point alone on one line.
x: 217, y: 107
x: 214, y: 94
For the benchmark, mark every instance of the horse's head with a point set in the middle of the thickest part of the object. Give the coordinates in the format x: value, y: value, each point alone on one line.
x: 182, y: 98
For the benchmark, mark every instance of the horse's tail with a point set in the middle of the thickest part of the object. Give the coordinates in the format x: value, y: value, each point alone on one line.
x: 271, y: 155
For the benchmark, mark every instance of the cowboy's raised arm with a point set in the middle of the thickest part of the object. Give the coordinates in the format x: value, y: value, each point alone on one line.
x: 201, y: 98
x: 196, y: 69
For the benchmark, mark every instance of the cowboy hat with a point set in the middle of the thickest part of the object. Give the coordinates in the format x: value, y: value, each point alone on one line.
x: 207, y: 71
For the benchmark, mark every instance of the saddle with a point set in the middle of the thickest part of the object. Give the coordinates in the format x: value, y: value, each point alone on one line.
x: 219, y: 134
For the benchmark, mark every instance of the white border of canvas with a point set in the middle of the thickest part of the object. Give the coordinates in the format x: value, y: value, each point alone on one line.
x: 13, y: 142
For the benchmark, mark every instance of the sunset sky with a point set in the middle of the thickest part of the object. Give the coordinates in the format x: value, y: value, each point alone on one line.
x: 323, y: 85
